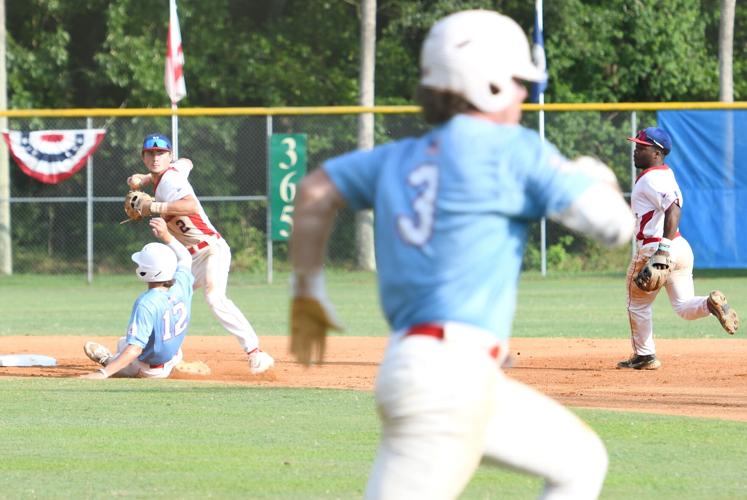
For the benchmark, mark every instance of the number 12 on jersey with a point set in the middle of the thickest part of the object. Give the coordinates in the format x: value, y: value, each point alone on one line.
x: 287, y: 166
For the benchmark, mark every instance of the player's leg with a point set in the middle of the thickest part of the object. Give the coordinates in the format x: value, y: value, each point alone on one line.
x: 217, y: 265
x: 214, y: 267
x: 162, y: 371
x: 680, y: 286
x: 640, y: 313
x: 532, y: 433
x: 434, y: 403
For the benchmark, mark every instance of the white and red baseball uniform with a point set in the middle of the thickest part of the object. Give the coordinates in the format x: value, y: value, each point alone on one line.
x: 654, y: 191
x: 211, y: 255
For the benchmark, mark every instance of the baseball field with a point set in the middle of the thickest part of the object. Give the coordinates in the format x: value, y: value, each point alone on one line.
x: 678, y: 432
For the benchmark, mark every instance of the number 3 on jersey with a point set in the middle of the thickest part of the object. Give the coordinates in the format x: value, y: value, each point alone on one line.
x: 179, y: 312
x: 417, y: 230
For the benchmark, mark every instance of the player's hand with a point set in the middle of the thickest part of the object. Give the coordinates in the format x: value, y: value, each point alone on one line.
x: 312, y: 315
x: 137, y: 181
x: 309, y: 323
x: 160, y: 230
x: 662, y: 263
x: 142, y: 205
x: 94, y: 376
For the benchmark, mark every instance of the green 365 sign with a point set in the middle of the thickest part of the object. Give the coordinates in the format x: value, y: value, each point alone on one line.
x: 287, y: 166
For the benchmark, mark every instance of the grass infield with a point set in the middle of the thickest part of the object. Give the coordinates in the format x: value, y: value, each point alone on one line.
x: 64, y: 438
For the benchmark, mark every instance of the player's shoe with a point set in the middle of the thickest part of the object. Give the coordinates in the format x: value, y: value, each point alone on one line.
x: 260, y: 362
x: 97, y: 353
x: 641, y: 362
x: 727, y: 316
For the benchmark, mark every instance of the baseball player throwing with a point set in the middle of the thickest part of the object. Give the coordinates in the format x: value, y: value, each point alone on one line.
x: 657, y: 203
x: 176, y: 202
x: 452, y: 210
x: 160, y: 316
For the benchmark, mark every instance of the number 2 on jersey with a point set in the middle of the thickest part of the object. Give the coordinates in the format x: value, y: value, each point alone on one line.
x: 180, y: 313
x: 417, y: 230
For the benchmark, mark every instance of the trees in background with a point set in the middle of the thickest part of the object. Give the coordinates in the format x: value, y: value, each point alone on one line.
x: 109, y: 53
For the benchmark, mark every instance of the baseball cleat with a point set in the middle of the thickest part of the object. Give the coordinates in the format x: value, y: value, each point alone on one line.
x: 641, y: 362
x: 727, y: 316
x: 260, y: 362
x: 97, y: 353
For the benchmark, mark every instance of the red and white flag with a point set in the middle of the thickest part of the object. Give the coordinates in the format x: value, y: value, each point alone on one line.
x: 174, y: 75
x: 51, y: 156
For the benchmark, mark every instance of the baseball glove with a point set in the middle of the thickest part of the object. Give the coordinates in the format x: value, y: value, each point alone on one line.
x: 654, y: 274
x: 135, y: 203
x: 309, y: 324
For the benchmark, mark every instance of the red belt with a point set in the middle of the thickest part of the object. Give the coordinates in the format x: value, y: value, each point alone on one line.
x: 157, y: 366
x: 646, y: 241
x: 195, y: 248
x: 437, y: 331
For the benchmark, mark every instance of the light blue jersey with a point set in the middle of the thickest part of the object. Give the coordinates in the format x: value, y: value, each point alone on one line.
x: 451, y: 211
x: 159, y: 319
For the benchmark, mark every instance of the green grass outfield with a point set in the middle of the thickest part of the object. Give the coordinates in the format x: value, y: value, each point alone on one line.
x: 70, y: 438
x: 577, y: 305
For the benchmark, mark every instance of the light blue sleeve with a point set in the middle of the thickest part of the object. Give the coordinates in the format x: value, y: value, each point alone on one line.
x: 141, y: 323
x: 552, y: 187
x: 185, y: 280
x: 355, y: 175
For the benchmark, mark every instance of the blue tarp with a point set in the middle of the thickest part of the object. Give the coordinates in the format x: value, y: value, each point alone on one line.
x: 709, y: 159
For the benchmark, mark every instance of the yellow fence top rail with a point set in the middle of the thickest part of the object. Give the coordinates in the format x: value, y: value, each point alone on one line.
x: 344, y: 110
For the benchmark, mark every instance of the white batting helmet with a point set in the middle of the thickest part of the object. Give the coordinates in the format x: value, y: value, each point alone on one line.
x: 469, y: 51
x: 155, y: 262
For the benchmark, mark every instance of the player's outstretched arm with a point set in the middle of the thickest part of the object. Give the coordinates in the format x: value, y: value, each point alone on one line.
x: 312, y: 314
x: 130, y: 354
x: 601, y: 211
x: 184, y: 206
x: 161, y: 231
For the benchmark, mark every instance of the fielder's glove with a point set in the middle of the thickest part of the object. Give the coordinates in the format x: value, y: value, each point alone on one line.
x: 311, y: 316
x: 137, y: 205
x: 654, y: 274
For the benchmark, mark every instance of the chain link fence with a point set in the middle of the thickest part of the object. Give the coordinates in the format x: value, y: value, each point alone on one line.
x: 74, y: 226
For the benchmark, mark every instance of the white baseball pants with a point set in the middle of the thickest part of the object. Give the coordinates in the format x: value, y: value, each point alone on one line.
x: 680, y: 289
x: 210, y: 267
x: 138, y: 369
x: 445, y: 405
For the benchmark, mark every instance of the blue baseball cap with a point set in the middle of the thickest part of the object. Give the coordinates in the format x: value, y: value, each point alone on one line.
x: 653, y: 136
x: 156, y: 142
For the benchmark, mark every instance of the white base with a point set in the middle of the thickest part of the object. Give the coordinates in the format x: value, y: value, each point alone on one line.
x: 26, y: 360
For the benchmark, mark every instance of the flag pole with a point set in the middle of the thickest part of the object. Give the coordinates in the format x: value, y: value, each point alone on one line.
x: 538, y: 96
x: 174, y: 131
x: 174, y: 74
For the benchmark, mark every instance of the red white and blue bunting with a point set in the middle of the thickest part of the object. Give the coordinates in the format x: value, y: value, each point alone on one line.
x: 51, y: 156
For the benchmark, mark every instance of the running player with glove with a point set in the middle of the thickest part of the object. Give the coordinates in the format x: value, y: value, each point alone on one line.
x: 663, y: 257
x: 452, y: 210
x: 176, y: 202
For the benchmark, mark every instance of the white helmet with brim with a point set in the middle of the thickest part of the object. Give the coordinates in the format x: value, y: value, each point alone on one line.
x: 468, y: 52
x: 156, y: 262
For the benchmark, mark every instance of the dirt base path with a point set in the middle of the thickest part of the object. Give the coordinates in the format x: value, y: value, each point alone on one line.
x: 701, y: 378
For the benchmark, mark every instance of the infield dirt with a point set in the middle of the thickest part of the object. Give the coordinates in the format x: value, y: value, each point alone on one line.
x: 699, y: 378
